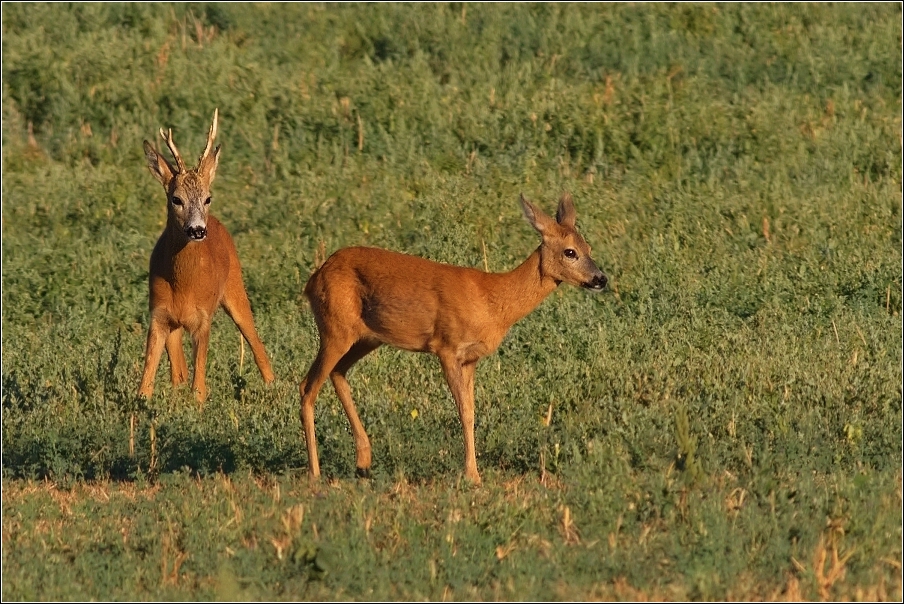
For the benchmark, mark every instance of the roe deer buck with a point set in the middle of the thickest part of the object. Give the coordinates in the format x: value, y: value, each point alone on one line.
x: 194, y: 269
x: 365, y: 297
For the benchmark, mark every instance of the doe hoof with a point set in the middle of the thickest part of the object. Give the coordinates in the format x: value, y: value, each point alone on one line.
x: 362, y: 472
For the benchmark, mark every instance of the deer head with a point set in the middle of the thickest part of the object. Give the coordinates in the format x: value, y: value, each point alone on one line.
x: 187, y: 190
x: 564, y: 255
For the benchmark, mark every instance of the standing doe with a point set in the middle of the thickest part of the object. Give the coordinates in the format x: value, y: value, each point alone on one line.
x: 194, y: 269
x: 365, y: 297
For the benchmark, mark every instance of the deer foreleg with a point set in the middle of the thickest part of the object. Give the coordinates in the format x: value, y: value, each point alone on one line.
x: 200, y: 344
x: 157, y: 333
x: 176, y: 354
x: 460, y: 377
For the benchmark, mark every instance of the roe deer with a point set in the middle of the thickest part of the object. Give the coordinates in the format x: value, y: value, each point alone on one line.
x: 194, y: 268
x: 362, y: 298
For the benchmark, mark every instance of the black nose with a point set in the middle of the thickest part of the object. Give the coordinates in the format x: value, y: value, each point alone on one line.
x: 598, y: 283
x: 196, y: 233
x: 601, y: 281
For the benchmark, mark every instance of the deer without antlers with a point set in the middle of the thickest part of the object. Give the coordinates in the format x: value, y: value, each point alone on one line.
x: 194, y: 269
x: 362, y: 298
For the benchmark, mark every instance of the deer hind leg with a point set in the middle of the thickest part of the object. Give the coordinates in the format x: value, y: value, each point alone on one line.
x: 200, y: 343
x: 157, y: 334
x: 178, y: 366
x: 331, y: 352
x: 236, y: 305
x: 343, y: 391
x: 460, y: 377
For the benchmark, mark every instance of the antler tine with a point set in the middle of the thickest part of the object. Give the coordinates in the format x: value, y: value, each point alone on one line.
x: 211, y: 134
x: 168, y: 139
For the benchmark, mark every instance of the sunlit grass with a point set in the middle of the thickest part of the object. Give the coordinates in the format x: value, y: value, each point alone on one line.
x: 724, y: 423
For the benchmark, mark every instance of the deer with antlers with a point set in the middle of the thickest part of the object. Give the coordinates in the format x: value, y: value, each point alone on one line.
x: 194, y: 269
x: 362, y: 298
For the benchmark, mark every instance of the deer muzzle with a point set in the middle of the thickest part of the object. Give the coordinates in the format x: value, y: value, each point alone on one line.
x: 196, y: 233
x: 597, y: 283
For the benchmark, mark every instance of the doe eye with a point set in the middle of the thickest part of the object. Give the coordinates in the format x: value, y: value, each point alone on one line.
x: 207, y: 201
x: 177, y: 202
x: 570, y: 253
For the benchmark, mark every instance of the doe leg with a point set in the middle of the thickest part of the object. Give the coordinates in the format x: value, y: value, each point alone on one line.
x: 460, y: 377
x: 326, y: 360
x: 363, y: 457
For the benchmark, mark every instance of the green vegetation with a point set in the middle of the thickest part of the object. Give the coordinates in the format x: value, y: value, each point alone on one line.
x: 725, y: 423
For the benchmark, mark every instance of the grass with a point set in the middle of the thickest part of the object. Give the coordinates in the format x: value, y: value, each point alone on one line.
x: 725, y: 423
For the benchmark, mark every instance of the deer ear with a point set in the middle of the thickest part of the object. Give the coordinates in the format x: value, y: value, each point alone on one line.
x: 535, y: 216
x: 159, y: 167
x: 208, y: 166
x: 565, y: 215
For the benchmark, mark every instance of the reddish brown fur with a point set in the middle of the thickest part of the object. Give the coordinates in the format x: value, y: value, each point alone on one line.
x: 190, y: 278
x: 362, y: 298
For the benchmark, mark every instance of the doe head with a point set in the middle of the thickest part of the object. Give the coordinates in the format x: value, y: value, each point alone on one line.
x: 187, y: 189
x: 564, y: 255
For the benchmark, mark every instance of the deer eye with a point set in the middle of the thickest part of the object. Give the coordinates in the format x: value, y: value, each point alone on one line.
x: 177, y: 202
x: 207, y: 201
x: 570, y: 253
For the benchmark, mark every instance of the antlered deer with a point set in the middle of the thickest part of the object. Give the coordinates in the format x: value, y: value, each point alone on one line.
x: 365, y: 297
x: 194, y: 269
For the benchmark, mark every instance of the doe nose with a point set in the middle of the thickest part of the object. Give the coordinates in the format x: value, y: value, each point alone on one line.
x: 601, y: 281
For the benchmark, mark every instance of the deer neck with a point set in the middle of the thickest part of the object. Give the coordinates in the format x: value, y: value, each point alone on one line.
x: 519, y: 291
x: 181, y: 247
x: 177, y: 239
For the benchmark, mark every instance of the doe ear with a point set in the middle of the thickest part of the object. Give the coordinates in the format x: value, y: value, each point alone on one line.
x: 535, y: 216
x: 157, y: 164
x: 565, y: 215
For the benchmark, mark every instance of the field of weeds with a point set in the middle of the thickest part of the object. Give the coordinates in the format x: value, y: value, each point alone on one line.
x: 724, y: 423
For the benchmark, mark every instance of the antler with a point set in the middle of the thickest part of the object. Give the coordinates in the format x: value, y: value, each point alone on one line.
x: 211, y: 134
x: 168, y: 139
